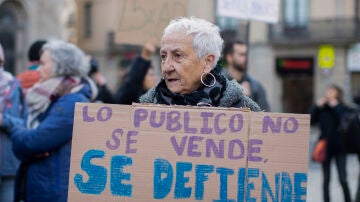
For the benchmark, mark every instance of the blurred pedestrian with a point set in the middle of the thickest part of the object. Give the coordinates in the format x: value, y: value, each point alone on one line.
x: 104, y: 95
x: 357, y: 98
x: 44, y: 145
x: 327, y: 113
x: 31, y: 76
x: 190, y: 49
x: 350, y: 130
x: 11, y: 106
x: 235, y: 55
x: 139, y: 79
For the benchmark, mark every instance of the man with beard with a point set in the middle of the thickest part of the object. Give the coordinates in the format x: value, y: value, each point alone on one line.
x: 235, y: 55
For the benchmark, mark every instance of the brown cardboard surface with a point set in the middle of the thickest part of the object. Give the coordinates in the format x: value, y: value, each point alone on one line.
x: 284, y: 154
x: 143, y: 20
x: 94, y: 131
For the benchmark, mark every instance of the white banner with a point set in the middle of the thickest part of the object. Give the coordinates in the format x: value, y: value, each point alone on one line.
x: 260, y: 10
x: 354, y: 58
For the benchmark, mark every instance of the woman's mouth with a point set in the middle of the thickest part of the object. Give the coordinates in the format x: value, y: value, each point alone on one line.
x: 171, y: 79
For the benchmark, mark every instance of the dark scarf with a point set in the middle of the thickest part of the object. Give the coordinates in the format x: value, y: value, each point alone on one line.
x: 203, y: 96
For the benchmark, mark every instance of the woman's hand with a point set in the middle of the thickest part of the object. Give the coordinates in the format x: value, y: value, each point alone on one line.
x: 148, y: 50
x: 246, y: 86
x: 321, y: 102
x: 99, y: 78
x: 46, y: 154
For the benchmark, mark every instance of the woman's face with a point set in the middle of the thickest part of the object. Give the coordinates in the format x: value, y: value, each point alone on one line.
x: 331, y: 93
x: 180, y: 65
x: 45, y: 66
x: 150, y: 79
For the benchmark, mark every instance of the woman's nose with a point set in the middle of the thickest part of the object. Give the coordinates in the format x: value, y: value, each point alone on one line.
x: 167, y: 65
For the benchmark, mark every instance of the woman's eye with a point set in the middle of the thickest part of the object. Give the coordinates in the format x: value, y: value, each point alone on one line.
x: 178, y: 55
x: 163, y: 57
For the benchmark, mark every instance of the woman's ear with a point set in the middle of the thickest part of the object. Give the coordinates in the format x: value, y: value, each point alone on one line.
x: 209, y: 62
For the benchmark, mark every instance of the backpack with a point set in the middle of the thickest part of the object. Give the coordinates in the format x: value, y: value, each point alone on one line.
x: 350, y: 130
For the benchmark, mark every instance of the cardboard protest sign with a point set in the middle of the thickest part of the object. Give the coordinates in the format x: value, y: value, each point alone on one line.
x: 152, y: 153
x: 143, y: 20
x: 260, y: 10
x: 281, y: 168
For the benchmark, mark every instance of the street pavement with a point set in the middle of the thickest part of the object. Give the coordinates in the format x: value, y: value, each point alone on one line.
x: 314, y: 187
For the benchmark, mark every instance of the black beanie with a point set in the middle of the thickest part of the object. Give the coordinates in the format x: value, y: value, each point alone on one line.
x: 34, y: 51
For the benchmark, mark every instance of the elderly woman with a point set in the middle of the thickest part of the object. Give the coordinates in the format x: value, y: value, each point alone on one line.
x: 11, y: 105
x: 190, y: 49
x: 43, y: 146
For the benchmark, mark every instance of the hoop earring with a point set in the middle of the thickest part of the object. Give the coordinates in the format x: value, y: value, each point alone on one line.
x: 208, y: 85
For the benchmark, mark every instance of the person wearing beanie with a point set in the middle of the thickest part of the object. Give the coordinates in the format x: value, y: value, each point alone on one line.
x: 30, y: 76
x: 34, y: 54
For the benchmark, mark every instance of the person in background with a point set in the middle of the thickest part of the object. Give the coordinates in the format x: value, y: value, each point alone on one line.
x: 44, y: 144
x: 235, y: 55
x: 190, y: 49
x: 356, y: 108
x: 357, y: 98
x: 140, y: 77
x: 327, y: 113
x: 11, y: 104
x: 31, y: 76
x: 357, y: 102
x: 104, y: 94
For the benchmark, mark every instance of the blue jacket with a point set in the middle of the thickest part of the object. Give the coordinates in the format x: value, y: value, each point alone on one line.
x: 14, y: 114
x: 47, y: 176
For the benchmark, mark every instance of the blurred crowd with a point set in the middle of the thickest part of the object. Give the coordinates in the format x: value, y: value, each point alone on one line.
x: 36, y: 114
x: 37, y: 107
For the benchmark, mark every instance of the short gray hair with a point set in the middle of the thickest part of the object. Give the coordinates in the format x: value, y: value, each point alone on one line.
x: 206, y: 35
x: 68, y: 60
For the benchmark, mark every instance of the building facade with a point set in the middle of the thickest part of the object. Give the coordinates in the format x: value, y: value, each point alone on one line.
x: 99, y: 22
x: 292, y: 44
x: 313, y: 42
x: 24, y: 21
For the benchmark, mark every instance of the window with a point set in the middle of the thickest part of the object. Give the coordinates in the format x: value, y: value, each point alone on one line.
x: 355, y: 87
x: 227, y: 23
x: 231, y: 28
x: 296, y: 13
x: 87, y: 19
x: 8, y: 33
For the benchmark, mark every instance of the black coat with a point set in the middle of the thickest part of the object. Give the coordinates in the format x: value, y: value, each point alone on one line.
x: 132, y: 87
x: 328, y: 119
x: 105, y: 94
